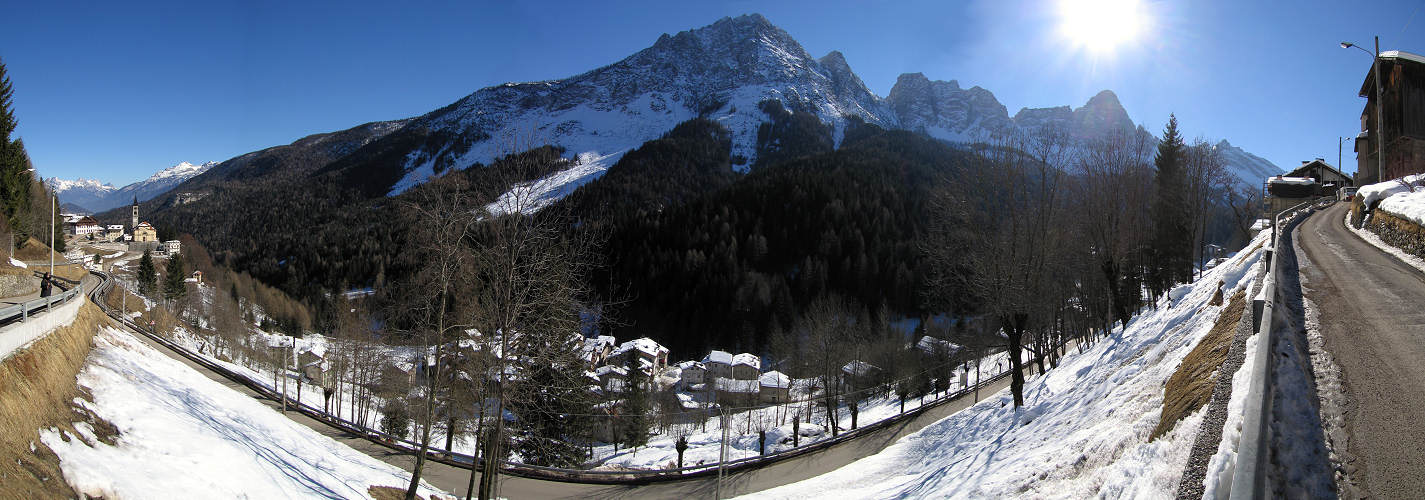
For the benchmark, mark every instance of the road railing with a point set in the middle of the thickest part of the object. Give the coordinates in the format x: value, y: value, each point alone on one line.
x: 22, y: 311
x: 1249, y: 479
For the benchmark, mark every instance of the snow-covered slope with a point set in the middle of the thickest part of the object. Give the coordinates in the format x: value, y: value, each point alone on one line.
x: 98, y: 197
x: 1252, y: 169
x: 182, y: 435
x: 721, y: 71
x: 1082, y: 433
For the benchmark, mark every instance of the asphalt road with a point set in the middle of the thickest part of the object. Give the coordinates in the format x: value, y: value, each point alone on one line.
x: 1372, y: 321
x: 453, y: 479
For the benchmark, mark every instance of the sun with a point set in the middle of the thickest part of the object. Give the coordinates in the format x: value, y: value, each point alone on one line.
x: 1101, y: 26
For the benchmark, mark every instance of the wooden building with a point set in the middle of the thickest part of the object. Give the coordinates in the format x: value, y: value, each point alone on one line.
x: 1327, y: 177
x: 1403, y: 109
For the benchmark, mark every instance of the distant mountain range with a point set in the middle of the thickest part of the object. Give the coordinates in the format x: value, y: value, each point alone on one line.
x: 94, y: 196
x: 721, y: 71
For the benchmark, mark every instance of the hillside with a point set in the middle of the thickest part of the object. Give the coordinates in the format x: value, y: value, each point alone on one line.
x: 1084, y: 430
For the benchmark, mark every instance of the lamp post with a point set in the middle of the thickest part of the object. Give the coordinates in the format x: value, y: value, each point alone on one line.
x: 1380, y: 116
x: 54, y: 207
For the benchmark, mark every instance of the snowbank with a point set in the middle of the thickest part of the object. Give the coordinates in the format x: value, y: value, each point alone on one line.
x: 182, y: 435
x: 1083, y: 431
x: 1372, y: 193
x: 17, y: 263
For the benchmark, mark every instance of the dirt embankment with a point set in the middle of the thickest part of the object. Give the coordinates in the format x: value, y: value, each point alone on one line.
x: 1191, y: 385
x: 37, y: 389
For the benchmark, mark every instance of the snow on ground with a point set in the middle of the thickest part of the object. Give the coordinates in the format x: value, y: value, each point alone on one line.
x: 1082, y: 432
x: 182, y: 435
x: 17, y: 336
x: 1380, y: 191
x: 15, y: 262
x: 705, y: 438
x: 530, y: 197
x: 1407, y: 204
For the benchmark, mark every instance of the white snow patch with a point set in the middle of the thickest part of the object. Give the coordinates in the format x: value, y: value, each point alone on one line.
x: 182, y: 435
x: 1082, y: 432
x: 530, y: 197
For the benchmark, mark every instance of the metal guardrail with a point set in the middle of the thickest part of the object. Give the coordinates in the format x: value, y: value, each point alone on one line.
x: 24, y: 310
x: 528, y: 471
x: 1249, y: 480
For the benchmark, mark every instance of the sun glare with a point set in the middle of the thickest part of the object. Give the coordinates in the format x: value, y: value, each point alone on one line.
x: 1101, y: 26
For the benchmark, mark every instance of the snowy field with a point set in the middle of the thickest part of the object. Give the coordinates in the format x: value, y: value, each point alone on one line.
x: 182, y: 435
x: 1082, y: 433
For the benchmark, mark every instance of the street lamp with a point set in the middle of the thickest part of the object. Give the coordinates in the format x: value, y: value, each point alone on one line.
x: 1380, y: 118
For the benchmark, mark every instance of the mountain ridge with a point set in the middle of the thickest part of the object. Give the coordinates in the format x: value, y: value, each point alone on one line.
x: 96, y: 196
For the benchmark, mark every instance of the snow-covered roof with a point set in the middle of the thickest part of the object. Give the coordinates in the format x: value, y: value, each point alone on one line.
x: 593, y: 344
x: 690, y: 365
x: 643, y: 345
x: 611, y: 369
x: 1400, y: 54
x: 929, y: 345
x: 718, y: 357
x: 858, y: 368
x: 775, y: 379
x: 735, y: 385
x: 747, y: 359
x: 1299, y: 181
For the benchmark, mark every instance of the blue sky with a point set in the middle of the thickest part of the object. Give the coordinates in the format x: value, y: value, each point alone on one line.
x: 115, y: 91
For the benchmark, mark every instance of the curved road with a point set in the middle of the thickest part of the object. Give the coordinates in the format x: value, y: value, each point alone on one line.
x: 453, y: 479
x: 1372, y: 321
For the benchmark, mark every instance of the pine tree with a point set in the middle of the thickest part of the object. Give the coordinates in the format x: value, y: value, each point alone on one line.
x: 1171, y: 243
x: 635, y: 406
x: 173, y: 283
x: 552, y: 415
x: 147, y: 275
x: 15, y: 178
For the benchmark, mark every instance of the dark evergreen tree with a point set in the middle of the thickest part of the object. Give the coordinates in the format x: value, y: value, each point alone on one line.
x: 552, y: 410
x: 173, y: 283
x: 15, y: 178
x: 147, y: 275
x: 634, y: 416
x: 1172, y: 234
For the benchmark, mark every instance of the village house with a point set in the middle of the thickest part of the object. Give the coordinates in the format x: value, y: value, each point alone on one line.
x: 735, y: 392
x: 774, y: 387
x: 114, y: 232
x: 597, y: 349
x: 171, y: 247
x: 612, y: 378
x: 85, y: 226
x: 652, y: 357
x: 692, y: 373
x: 1403, y: 109
x: 718, y: 364
x: 857, y: 374
x: 1327, y: 177
x: 746, y: 366
x: 933, y: 348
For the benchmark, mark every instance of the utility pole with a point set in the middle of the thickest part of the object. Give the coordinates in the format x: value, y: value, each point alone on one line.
x: 1380, y: 118
x: 722, y: 452
x: 284, y: 379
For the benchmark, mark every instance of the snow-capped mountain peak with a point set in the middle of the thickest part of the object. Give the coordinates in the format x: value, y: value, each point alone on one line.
x: 96, y: 196
x: 721, y: 71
